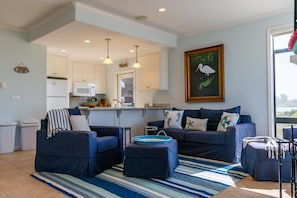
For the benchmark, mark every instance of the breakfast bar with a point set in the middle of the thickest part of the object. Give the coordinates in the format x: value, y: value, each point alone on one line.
x: 132, y: 117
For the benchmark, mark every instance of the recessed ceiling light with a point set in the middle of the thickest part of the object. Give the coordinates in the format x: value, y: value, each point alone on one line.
x: 162, y: 9
x: 131, y: 50
x: 87, y: 41
x: 62, y: 50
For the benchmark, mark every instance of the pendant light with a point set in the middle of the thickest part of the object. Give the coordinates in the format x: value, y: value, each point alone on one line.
x: 136, y: 64
x: 107, y: 60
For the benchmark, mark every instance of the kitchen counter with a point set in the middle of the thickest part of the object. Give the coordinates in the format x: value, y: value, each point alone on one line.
x: 121, y: 108
x: 132, y: 117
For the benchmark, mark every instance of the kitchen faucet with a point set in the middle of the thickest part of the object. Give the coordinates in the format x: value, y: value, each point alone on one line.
x: 118, y: 101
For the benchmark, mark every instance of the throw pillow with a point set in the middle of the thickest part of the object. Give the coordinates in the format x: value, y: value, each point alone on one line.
x: 227, y: 119
x: 79, y: 123
x: 173, y: 119
x: 74, y: 111
x: 214, y: 116
x: 196, y: 124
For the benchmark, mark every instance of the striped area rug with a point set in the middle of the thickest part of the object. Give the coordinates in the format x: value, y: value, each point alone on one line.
x: 194, y: 177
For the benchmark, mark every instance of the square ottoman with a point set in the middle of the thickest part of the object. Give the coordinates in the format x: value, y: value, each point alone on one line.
x: 151, y: 161
x: 254, y: 159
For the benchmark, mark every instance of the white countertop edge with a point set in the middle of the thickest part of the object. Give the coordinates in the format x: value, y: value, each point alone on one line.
x: 121, y: 108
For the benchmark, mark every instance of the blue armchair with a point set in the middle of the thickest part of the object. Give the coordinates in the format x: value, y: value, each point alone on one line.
x: 79, y: 153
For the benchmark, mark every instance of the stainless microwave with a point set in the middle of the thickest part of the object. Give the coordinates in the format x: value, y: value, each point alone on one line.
x: 84, y: 89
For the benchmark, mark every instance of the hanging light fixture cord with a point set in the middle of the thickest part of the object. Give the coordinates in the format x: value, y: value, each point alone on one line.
x: 107, y: 60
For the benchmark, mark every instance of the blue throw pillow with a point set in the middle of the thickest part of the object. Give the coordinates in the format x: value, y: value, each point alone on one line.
x: 214, y: 116
x: 74, y: 111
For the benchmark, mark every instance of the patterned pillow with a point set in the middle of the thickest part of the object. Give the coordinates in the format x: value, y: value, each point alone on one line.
x: 227, y: 119
x: 196, y: 124
x: 173, y: 119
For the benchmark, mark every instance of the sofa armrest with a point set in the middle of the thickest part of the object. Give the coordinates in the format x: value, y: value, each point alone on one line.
x: 157, y: 123
x: 235, y: 135
x: 67, y: 144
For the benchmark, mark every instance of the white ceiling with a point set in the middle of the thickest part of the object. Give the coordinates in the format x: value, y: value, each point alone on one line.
x: 182, y: 18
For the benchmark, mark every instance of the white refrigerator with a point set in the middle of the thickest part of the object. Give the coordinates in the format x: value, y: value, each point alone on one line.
x: 57, y: 93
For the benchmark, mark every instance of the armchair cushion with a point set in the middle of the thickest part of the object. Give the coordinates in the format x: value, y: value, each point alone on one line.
x: 107, y: 142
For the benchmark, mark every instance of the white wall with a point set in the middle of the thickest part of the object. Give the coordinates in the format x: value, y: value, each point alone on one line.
x: 245, y: 67
x: 31, y: 87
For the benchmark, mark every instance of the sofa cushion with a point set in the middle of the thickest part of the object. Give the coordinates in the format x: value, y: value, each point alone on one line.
x: 79, y: 123
x: 173, y: 119
x: 106, y: 143
x: 227, y: 119
x: 196, y: 124
x: 207, y: 137
x: 175, y: 133
x: 214, y: 116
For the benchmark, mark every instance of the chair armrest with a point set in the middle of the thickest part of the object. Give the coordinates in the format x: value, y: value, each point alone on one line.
x: 67, y: 144
x: 157, y: 123
x: 235, y: 135
x: 110, y: 131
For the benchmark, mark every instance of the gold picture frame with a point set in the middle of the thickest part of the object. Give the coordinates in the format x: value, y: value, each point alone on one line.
x: 204, y: 74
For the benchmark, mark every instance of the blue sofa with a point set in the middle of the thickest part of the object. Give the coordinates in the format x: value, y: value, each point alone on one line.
x: 211, y: 144
x: 79, y: 153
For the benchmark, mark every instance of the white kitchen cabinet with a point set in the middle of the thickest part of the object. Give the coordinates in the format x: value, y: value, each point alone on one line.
x: 83, y: 72
x: 57, y: 66
x: 70, y: 77
x: 100, y: 79
x: 153, y: 74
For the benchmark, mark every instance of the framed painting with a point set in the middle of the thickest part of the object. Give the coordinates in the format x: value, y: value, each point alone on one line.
x: 204, y: 74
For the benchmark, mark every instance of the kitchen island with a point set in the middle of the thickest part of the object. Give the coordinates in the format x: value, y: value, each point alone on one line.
x: 128, y: 117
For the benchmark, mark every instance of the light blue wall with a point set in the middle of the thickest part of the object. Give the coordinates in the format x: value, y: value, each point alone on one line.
x: 246, y: 84
x: 31, y: 87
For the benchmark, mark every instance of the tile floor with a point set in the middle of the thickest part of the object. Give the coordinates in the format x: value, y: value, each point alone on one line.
x: 15, y: 181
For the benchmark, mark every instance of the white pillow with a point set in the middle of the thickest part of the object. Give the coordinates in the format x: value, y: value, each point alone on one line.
x: 196, y: 124
x: 227, y: 119
x: 79, y: 123
x: 173, y: 119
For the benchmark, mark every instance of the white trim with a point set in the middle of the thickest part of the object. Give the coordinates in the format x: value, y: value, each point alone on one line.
x: 270, y: 75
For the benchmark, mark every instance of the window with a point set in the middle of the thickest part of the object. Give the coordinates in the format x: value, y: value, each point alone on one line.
x: 125, y: 88
x: 284, y: 77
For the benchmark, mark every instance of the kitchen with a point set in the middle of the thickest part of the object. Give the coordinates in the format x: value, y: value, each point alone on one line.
x: 106, y: 106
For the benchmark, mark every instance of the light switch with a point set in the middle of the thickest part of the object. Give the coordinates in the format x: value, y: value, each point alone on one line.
x: 15, y: 98
x: 2, y: 85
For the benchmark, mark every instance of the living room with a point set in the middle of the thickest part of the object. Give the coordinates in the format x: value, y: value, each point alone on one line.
x: 245, y: 68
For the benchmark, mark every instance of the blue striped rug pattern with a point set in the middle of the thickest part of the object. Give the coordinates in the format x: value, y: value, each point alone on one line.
x: 194, y: 177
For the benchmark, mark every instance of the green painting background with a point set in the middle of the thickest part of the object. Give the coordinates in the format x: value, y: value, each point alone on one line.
x: 196, y: 78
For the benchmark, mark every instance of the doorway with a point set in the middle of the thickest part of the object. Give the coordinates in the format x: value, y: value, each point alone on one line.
x: 125, y: 88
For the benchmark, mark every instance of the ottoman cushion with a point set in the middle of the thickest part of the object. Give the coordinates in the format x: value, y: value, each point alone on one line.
x: 254, y: 159
x: 151, y: 161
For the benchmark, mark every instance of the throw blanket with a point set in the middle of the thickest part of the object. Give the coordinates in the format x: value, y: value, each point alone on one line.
x: 271, y: 145
x: 58, y: 120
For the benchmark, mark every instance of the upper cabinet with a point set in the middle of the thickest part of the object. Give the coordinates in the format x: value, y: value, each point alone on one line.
x: 100, y: 72
x: 153, y: 74
x: 83, y: 72
x: 87, y: 72
x: 57, y: 66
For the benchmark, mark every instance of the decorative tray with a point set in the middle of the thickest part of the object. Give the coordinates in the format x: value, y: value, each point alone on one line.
x: 152, y: 139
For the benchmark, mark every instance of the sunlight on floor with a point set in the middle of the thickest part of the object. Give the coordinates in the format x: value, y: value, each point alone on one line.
x: 268, y: 192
